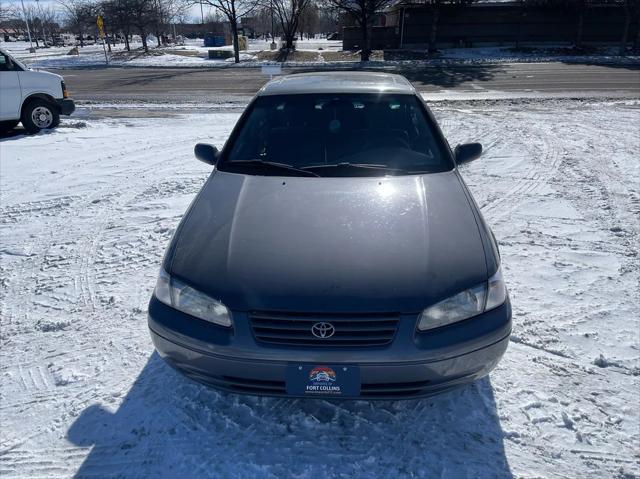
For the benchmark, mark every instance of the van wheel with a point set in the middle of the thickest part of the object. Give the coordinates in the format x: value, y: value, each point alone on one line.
x: 6, y: 126
x: 39, y: 115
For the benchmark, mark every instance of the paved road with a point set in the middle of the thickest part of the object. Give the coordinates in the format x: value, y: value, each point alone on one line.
x: 480, y: 81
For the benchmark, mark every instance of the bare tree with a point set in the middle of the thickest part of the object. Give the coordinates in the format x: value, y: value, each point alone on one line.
x: 329, y: 19
x: 261, y: 22
x: 364, y: 14
x: 46, y: 21
x: 309, y: 20
x: 30, y: 15
x: 8, y: 12
x: 142, y: 14
x: 288, y: 13
x: 80, y: 16
x: 233, y: 10
x: 166, y: 12
x: 115, y: 21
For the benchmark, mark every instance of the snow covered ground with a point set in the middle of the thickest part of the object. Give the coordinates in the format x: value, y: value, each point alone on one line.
x: 87, y: 210
x: 194, y: 55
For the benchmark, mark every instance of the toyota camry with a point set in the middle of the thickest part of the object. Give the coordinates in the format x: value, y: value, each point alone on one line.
x: 334, y: 251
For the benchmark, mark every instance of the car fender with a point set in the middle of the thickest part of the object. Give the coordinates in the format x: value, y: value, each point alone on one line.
x: 43, y: 85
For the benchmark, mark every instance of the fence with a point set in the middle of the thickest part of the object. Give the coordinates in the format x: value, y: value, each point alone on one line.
x: 479, y: 25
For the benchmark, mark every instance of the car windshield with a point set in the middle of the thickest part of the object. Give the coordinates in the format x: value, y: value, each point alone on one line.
x: 338, y: 135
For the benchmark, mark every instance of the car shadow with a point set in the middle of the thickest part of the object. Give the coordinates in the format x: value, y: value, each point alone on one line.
x: 169, y: 426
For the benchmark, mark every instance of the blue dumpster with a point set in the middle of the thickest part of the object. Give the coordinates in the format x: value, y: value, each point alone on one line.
x: 214, y: 41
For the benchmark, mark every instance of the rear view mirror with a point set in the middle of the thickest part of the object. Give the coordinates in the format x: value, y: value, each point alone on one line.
x: 467, y: 152
x: 206, y: 153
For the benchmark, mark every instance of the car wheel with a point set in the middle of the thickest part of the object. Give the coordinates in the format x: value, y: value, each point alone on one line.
x: 6, y: 126
x: 39, y: 115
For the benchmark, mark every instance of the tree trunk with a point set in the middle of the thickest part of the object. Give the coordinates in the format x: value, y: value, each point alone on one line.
x: 143, y: 36
x: 81, y: 40
x: 289, y: 40
x: 434, y: 29
x: 158, y: 39
x: 236, y: 45
x: 106, y: 39
x: 126, y: 41
x: 625, y: 31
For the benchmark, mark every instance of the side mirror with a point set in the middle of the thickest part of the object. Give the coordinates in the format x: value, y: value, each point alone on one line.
x: 467, y: 152
x: 206, y: 153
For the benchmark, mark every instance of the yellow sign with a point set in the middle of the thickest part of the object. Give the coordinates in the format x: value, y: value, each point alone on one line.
x: 100, y: 23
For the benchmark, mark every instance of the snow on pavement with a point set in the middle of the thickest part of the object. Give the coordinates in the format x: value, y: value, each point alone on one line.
x: 88, y: 209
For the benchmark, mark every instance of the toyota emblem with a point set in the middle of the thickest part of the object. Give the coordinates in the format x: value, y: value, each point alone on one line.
x: 323, y: 330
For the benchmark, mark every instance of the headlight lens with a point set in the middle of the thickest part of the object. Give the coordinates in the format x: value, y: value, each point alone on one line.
x: 466, y: 304
x: 183, y: 297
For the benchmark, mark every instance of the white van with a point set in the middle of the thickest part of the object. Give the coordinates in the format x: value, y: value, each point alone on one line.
x: 35, y: 98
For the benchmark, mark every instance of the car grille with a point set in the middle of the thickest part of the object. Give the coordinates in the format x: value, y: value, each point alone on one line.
x: 351, y: 330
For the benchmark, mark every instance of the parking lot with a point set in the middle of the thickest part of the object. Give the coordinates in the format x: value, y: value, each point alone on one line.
x: 88, y: 209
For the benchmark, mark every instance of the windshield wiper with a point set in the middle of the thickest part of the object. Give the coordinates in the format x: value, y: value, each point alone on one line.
x: 349, y: 167
x: 269, y: 166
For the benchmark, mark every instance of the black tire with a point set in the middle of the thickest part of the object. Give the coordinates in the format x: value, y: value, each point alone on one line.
x: 39, y: 115
x: 6, y: 126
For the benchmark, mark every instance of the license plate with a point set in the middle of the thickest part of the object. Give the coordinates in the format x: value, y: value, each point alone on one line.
x: 323, y: 380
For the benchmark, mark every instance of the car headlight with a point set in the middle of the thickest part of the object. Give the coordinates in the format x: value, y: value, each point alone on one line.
x: 465, y: 305
x: 183, y: 297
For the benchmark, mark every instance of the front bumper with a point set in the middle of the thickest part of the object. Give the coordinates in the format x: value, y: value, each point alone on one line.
x: 414, y: 365
x: 66, y: 106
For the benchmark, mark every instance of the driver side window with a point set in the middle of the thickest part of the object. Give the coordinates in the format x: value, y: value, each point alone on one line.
x: 6, y: 65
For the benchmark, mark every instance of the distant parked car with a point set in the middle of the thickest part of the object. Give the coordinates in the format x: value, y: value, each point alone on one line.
x: 335, y: 251
x: 35, y: 98
x: 64, y: 39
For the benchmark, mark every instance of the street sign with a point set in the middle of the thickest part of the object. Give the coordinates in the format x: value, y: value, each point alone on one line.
x: 100, y: 23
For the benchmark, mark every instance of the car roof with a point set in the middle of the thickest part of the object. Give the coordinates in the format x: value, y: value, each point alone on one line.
x: 337, y: 82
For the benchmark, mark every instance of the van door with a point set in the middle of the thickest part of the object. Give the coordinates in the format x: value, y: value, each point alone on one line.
x: 10, y: 92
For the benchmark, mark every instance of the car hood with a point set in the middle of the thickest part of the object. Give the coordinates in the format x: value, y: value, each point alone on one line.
x: 394, y: 244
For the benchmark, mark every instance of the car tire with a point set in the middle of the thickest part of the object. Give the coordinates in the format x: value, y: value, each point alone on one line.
x: 39, y: 115
x: 6, y: 126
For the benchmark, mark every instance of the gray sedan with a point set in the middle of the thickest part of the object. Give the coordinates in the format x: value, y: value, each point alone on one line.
x: 334, y: 251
